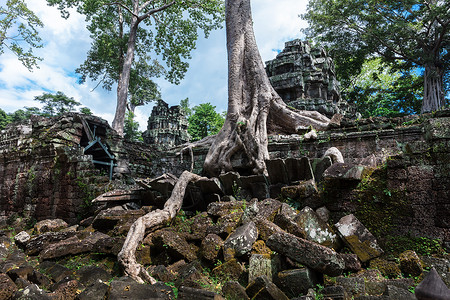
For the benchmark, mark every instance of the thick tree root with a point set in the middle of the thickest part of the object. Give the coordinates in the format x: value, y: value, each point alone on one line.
x: 151, y: 221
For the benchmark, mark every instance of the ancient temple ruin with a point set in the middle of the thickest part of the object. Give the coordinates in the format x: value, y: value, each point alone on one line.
x: 166, y: 127
x: 304, y: 77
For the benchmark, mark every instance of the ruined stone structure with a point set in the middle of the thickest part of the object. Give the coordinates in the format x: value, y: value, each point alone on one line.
x: 305, y: 79
x: 45, y: 171
x: 166, y: 127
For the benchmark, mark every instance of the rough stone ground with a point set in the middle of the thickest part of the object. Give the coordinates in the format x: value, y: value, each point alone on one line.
x: 237, y: 249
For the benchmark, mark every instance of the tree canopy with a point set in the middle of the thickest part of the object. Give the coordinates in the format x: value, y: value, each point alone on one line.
x: 204, y: 121
x: 132, y: 37
x: 56, y: 104
x: 409, y: 35
x: 19, y: 29
x: 381, y: 91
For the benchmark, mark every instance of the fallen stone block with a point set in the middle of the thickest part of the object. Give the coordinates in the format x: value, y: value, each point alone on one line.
x: 299, y: 169
x: 267, y: 265
x: 262, y: 288
x: 127, y: 288
x: 432, y: 287
x: 315, y: 229
x: 242, y: 239
x: 232, y: 290
x: 295, y: 282
x: 53, y: 225
x: 310, y: 254
x: 277, y: 171
x: 410, y: 263
x: 190, y: 293
x: 358, y: 238
x: 7, y: 287
x: 230, y: 270
x: 210, y: 247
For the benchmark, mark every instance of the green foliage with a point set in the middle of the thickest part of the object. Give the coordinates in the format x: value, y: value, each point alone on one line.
x: 86, y: 111
x: 185, y: 107
x: 5, y: 119
x: 381, y: 91
x: 204, y: 121
x: 421, y: 245
x: 56, y: 104
x: 18, y: 28
x: 131, y: 39
x: 408, y: 35
x: 131, y: 128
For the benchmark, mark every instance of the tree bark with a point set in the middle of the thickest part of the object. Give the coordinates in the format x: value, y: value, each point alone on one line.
x: 254, y: 108
x: 433, y: 98
x: 152, y: 221
x: 124, y: 78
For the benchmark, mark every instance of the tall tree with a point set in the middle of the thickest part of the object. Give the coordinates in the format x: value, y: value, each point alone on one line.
x: 18, y: 27
x: 56, y: 104
x: 407, y: 34
x: 204, y: 121
x: 254, y: 108
x: 127, y: 29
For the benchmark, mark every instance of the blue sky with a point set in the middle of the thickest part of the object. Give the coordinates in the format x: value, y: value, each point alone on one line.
x: 66, y: 43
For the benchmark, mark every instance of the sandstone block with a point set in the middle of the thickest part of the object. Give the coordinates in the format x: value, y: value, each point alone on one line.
x: 242, y: 239
x: 310, y: 254
x: 267, y: 265
x: 358, y: 238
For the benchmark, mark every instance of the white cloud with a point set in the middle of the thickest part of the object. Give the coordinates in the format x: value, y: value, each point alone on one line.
x: 67, y: 42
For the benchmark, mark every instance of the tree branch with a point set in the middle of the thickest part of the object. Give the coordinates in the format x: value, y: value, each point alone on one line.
x: 155, y: 10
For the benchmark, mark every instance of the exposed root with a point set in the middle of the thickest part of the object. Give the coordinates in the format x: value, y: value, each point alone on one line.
x: 151, y: 221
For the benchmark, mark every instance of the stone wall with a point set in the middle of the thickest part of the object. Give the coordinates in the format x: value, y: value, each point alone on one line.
x: 413, y: 158
x: 44, y: 172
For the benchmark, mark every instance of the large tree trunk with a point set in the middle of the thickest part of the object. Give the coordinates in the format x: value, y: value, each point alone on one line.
x: 254, y: 108
x: 433, y: 98
x: 124, y: 79
x: 151, y: 221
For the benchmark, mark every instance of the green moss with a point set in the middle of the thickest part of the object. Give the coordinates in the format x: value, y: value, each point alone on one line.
x: 421, y: 245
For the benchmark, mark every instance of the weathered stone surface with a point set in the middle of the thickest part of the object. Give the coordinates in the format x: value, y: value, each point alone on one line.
x: 344, y: 171
x: 189, y: 293
x: 432, y: 287
x: 358, y: 238
x: 410, y: 263
x: 220, y: 209
x: 50, y: 225
x: 295, y: 282
x: 229, y: 270
x: 335, y: 292
x: 191, y: 275
x: 266, y: 228
x: 95, y: 241
x: 211, y: 246
x: 298, y: 169
x: 317, y: 257
x: 65, y: 289
x: 323, y: 213
x: 354, y: 286
x: 89, y: 275
x: 277, y: 171
x: 32, y: 292
x: 398, y: 293
x: 268, y: 208
x: 387, y: 268
x: 210, y: 186
x: 232, y: 290
x: 179, y: 248
x: 319, y: 165
x: 256, y: 185
x: 351, y: 261
x: 107, y: 219
x: 262, y: 288
x: 20, y: 272
x: 37, y: 244
x: 21, y: 238
x: 226, y: 224
x: 166, y: 126
x: 375, y: 283
x: 95, y: 291
x: 259, y: 247
x: 126, y: 288
x: 315, y: 229
x: 285, y: 219
x: 55, y: 271
x: 242, y: 239
x: 268, y: 265
x: 7, y: 287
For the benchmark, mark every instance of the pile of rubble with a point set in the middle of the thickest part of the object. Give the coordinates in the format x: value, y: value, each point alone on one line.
x: 238, y: 248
